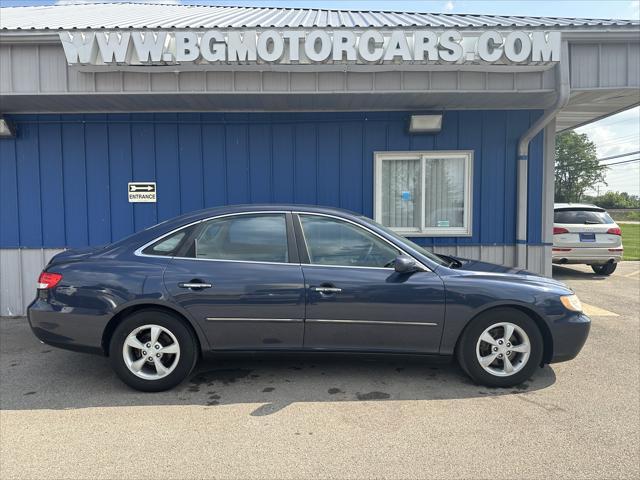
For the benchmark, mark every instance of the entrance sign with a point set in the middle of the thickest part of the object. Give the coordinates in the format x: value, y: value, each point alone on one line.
x: 142, y: 192
x: 298, y: 47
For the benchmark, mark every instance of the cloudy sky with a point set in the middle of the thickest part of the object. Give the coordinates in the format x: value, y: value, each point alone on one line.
x: 618, y: 134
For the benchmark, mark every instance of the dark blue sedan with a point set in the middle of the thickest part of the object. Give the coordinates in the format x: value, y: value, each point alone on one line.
x: 297, y: 278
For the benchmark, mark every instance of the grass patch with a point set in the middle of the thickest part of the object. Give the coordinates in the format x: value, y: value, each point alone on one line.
x: 631, y: 240
x: 625, y: 215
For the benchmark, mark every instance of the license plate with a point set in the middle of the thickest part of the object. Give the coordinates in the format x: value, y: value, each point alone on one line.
x: 587, y: 237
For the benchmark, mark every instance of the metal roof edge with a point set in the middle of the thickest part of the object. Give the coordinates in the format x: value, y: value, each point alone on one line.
x: 574, y: 35
x: 140, y: 15
x: 345, y: 10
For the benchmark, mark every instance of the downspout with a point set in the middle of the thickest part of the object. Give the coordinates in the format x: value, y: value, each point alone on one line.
x: 562, y: 98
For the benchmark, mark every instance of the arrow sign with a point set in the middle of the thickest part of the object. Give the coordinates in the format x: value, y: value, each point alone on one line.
x: 142, y: 192
x: 135, y: 188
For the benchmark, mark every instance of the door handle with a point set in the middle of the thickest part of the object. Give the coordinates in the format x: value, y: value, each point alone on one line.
x: 195, y: 285
x: 327, y: 289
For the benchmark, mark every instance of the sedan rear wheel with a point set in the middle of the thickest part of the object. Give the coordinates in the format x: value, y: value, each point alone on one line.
x: 152, y: 351
x: 500, y: 348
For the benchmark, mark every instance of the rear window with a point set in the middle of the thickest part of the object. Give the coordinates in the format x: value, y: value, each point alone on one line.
x: 168, y: 246
x: 581, y: 217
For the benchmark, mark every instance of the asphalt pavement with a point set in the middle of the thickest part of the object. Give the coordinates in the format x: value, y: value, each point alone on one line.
x: 66, y: 415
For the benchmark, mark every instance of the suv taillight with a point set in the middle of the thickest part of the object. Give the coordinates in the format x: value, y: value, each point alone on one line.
x: 559, y: 230
x: 614, y: 231
x: 48, y: 280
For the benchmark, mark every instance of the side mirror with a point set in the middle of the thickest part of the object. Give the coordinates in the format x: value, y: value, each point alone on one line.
x: 404, y: 264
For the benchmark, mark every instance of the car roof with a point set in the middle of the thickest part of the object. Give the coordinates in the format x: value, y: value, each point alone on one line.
x: 569, y: 206
x: 262, y: 207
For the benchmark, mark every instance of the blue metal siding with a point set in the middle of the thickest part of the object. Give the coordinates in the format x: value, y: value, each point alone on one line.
x: 63, y: 181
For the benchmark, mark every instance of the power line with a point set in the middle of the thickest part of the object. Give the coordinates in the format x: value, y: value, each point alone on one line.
x: 621, y: 162
x: 618, y: 156
x: 627, y: 137
x: 618, y: 141
x: 608, y: 124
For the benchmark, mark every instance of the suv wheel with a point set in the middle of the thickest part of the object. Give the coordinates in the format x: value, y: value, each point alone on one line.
x: 606, y: 269
x: 152, y: 351
x: 500, y: 348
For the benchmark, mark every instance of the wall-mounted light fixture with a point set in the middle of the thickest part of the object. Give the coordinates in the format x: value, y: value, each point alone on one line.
x: 425, y: 123
x: 7, y: 129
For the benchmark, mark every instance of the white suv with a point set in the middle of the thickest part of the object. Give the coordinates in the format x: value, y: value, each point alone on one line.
x: 586, y: 234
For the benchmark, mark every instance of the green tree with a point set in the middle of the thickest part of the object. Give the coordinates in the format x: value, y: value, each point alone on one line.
x: 577, y: 166
x: 617, y: 200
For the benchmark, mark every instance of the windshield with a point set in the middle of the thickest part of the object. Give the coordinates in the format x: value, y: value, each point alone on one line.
x: 431, y: 256
x: 581, y: 216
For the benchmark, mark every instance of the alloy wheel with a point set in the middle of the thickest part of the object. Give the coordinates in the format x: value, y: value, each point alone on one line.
x: 151, y: 352
x: 503, y: 349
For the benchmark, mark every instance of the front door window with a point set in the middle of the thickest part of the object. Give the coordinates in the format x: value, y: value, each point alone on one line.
x: 335, y: 242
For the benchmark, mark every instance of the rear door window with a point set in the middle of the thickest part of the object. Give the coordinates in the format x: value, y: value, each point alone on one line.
x: 581, y: 217
x: 252, y: 238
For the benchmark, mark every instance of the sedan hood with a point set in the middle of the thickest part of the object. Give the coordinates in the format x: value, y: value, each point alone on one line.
x: 478, y: 266
x: 466, y: 266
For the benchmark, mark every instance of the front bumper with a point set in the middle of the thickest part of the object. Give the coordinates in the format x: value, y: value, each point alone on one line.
x: 569, y: 336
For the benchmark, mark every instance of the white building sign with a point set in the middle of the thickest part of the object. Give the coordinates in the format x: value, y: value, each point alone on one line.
x: 142, y: 192
x: 291, y: 47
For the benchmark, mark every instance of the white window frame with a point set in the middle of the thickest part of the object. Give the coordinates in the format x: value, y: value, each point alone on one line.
x: 423, y: 231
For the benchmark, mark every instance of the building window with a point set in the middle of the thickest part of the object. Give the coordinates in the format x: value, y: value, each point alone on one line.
x: 424, y: 193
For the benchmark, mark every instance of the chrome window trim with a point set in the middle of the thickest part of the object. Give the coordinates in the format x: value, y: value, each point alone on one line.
x: 345, y: 266
x: 237, y: 261
x: 371, y: 322
x: 427, y: 269
x: 139, y: 253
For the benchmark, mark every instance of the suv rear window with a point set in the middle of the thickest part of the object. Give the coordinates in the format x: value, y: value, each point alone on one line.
x: 581, y: 216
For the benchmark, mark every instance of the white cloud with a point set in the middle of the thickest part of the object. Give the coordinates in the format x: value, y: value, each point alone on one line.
x: 449, y: 6
x: 616, y: 134
x: 634, y: 6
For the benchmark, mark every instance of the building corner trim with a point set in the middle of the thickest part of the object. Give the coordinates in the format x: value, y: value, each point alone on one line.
x: 563, y: 90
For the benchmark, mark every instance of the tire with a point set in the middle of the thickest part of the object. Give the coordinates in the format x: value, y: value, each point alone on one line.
x: 606, y: 269
x: 495, y: 322
x: 177, y: 351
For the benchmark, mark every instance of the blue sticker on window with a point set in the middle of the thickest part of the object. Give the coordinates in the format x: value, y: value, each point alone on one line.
x: 406, y: 196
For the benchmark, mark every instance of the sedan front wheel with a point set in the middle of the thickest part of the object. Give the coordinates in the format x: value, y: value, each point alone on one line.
x: 501, y: 348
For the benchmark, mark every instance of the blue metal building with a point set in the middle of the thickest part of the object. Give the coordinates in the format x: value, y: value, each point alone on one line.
x: 336, y: 131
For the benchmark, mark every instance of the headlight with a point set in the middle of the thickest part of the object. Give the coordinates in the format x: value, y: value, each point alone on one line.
x: 571, y: 302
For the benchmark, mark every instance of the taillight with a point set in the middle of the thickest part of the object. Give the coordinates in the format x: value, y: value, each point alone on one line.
x: 48, y: 280
x: 614, y: 231
x: 559, y: 230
